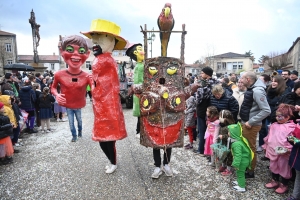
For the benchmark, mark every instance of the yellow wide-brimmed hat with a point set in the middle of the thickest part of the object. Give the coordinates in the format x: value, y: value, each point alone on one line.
x: 109, y: 28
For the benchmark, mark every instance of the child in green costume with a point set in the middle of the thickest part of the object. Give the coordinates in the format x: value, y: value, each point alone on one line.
x: 136, y: 53
x: 242, y: 155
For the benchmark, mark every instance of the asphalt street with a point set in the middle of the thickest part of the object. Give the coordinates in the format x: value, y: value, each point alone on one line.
x: 50, y: 166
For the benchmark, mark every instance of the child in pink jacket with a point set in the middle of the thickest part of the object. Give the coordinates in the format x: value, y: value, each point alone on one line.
x: 278, y: 148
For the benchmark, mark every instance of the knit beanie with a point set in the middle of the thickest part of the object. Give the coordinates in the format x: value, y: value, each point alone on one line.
x: 1, y: 105
x: 208, y: 71
x: 8, y: 75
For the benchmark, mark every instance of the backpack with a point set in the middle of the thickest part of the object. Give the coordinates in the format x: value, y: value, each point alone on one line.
x: 6, y: 128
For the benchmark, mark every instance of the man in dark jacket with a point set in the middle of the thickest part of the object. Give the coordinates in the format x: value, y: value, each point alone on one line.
x: 203, y: 101
x: 286, y: 76
x: 8, y: 84
x: 254, y: 109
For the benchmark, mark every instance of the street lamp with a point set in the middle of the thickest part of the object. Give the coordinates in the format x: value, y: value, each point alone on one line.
x: 151, y: 38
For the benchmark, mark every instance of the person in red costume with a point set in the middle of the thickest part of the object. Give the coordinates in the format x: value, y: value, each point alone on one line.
x: 109, y: 124
x: 73, y: 81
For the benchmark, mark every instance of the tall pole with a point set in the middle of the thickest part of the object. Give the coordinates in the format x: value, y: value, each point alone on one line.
x: 182, y: 43
x: 35, y: 36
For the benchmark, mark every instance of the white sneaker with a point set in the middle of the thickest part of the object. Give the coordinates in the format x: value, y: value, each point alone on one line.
x: 234, y: 183
x: 64, y: 120
x: 58, y: 120
x: 168, y: 171
x: 111, y: 169
x: 48, y: 131
x: 157, y: 172
x: 42, y: 131
x: 107, y: 167
x: 239, y: 189
x: 259, y: 149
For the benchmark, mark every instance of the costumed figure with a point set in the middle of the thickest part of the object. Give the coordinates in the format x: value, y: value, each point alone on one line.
x: 242, y: 155
x: 136, y: 53
x: 73, y: 81
x: 109, y: 123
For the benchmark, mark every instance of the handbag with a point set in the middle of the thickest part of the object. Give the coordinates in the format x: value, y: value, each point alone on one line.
x: 220, y: 151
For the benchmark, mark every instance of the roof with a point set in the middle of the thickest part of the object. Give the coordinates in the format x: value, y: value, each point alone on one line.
x: 42, y: 58
x: 230, y: 55
x: 255, y: 66
x: 6, y: 33
x: 294, y: 43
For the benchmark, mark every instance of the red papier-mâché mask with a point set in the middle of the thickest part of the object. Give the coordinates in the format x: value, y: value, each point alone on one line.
x: 162, y: 103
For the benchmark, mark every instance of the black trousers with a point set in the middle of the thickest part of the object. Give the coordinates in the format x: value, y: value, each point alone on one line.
x: 109, y: 148
x: 138, y: 125
x: 157, y: 158
x: 283, y: 180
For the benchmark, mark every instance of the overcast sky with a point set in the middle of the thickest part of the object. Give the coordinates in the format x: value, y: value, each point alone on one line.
x: 213, y: 26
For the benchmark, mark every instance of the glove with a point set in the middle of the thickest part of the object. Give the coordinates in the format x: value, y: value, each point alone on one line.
x: 97, y: 50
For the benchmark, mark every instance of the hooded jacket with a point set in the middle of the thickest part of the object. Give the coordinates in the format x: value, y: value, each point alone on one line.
x: 190, y: 112
x: 8, y: 111
x: 240, y: 147
x: 255, y: 106
x: 27, y: 98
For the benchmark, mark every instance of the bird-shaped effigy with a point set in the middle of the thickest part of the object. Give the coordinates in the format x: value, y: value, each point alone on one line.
x: 165, y: 23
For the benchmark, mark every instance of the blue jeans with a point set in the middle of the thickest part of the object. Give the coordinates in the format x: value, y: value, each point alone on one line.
x: 201, y: 124
x: 77, y: 113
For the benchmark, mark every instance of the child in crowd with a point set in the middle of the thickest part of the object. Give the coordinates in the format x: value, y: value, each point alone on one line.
x: 278, y: 148
x: 59, y: 111
x: 37, y: 89
x: 242, y: 155
x: 212, y: 132
x: 190, y: 119
x: 45, y: 102
x: 6, y: 130
x: 225, y: 119
x: 294, y: 162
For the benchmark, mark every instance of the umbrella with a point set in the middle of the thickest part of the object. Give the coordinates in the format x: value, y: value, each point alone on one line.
x: 19, y: 67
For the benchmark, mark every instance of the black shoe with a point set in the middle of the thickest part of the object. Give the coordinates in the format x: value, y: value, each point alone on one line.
x: 32, y: 131
x: 79, y: 133
x: 7, y: 160
x: 249, y: 175
x: 16, y: 151
x: 264, y: 158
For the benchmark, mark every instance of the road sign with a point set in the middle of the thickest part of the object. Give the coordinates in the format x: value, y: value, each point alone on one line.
x: 261, y: 69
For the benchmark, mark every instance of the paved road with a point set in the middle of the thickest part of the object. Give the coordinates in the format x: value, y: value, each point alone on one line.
x: 51, y: 167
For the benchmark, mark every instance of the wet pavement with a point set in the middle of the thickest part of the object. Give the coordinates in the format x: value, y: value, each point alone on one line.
x: 50, y: 166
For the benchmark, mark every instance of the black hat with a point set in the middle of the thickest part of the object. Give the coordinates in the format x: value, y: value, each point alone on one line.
x: 8, y: 75
x: 294, y: 72
x: 130, y: 50
x: 208, y: 71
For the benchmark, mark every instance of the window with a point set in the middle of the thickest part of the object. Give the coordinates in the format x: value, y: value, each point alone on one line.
x: 240, y: 65
x: 224, y: 65
x: 115, y: 53
x: 52, y: 66
x: 123, y: 53
x: 8, y: 47
x: 87, y: 64
x: 9, y: 62
x: 234, y: 65
x: 219, y: 65
x: 193, y: 71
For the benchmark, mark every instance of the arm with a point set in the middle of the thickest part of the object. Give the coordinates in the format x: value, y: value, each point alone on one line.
x: 236, y: 150
x: 60, y: 98
x: 259, y: 96
x: 233, y: 107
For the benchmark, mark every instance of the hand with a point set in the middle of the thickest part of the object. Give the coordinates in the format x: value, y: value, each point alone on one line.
x: 247, y: 125
x: 221, y: 136
x: 297, y: 108
x: 61, y: 100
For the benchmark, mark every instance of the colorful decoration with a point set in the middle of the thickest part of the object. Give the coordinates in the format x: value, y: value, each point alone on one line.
x: 166, y: 23
x: 109, y: 122
x: 162, y: 103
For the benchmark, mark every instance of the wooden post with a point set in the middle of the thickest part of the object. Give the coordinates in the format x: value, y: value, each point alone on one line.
x: 182, y: 43
x: 145, y: 43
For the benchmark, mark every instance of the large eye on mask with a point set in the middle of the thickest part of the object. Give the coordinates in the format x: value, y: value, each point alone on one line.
x: 221, y: 119
x: 153, y: 70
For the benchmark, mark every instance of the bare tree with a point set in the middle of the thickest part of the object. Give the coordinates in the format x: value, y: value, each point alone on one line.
x: 278, y: 60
